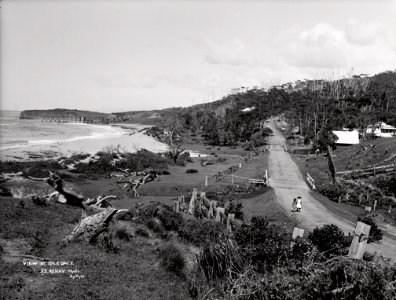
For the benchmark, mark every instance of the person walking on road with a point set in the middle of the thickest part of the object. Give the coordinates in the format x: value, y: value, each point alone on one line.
x: 294, y: 205
x: 299, y: 204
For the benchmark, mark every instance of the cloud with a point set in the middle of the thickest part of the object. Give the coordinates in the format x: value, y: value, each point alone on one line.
x: 121, y: 81
x: 363, y: 33
x: 323, y: 49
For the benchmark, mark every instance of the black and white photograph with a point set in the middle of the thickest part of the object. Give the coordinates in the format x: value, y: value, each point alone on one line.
x: 198, y: 149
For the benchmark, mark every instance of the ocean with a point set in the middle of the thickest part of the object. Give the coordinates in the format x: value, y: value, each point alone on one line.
x: 33, y: 139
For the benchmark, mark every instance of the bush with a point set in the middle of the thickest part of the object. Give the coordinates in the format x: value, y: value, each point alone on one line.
x: 191, y: 171
x: 39, y: 201
x: 106, y: 243
x: 155, y: 225
x: 265, y: 244
x: 219, y: 259
x: 200, y: 232
x: 172, y: 259
x: 167, y: 217
x: 375, y: 234
x: 236, y: 209
x: 328, y: 239
x: 142, y: 232
x: 334, y: 192
x: 142, y: 160
x: 122, y: 233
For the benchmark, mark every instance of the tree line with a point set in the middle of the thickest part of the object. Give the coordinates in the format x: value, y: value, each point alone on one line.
x: 315, y: 107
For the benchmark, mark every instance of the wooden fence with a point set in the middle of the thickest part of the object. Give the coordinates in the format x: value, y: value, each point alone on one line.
x: 370, y: 171
x: 311, y: 182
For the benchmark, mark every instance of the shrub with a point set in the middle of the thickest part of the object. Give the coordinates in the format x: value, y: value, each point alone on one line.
x: 142, y: 160
x: 265, y: 244
x: 172, y: 259
x: 199, y: 232
x: 220, y: 259
x: 236, y: 209
x: 5, y: 192
x: 122, y: 233
x: 375, y: 234
x: 106, y: 243
x: 191, y: 171
x: 155, y: 225
x: 39, y: 201
x: 167, y: 217
x: 328, y: 239
x: 142, y: 232
x: 333, y: 191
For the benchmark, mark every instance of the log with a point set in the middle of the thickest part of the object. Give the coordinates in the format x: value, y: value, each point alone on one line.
x: 94, y: 219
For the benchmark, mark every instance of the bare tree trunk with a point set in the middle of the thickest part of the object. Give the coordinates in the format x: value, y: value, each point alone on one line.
x: 95, y: 219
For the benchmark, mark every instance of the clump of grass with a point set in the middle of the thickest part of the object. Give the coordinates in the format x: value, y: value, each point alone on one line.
x: 142, y: 232
x: 220, y: 259
x: 155, y: 225
x: 172, y: 259
x: 105, y: 242
x: 191, y: 171
x: 39, y: 201
x: 122, y: 233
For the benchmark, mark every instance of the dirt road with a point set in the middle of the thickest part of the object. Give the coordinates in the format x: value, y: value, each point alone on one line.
x: 287, y: 181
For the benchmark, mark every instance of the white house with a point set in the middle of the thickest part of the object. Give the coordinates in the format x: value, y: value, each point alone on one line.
x: 381, y: 129
x: 346, y: 137
x: 248, y: 109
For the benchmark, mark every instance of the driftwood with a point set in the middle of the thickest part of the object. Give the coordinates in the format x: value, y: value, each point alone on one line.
x: 96, y: 216
x: 133, y: 183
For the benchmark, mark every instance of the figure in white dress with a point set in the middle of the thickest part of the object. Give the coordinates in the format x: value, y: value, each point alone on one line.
x: 299, y: 205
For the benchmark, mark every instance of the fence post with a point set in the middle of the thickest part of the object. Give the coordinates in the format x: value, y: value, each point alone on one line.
x: 359, y: 241
x: 230, y: 219
x: 206, y: 180
x: 297, y: 232
x: 240, y: 165
x: 390, y: 208
x: 219, y: 212
x: 191, y: 207
x: 232, y: 179
x: 375, y: 205
x: 176, y: 205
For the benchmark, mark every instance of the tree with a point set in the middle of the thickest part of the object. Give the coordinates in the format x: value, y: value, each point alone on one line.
x: 174, y: 140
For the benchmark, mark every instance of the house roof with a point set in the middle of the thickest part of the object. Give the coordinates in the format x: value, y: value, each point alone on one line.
x: 347, y: 137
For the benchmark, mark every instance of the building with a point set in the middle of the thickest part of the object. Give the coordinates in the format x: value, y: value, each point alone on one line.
x: 346, y: 137
x: 381, y: 130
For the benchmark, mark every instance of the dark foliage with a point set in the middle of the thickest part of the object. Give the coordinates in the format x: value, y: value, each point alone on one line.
x: 375, y: 234
x: 328, y: 239
x: 122, y: 233
x: 220, y: 259
x: 172, y: 259
x: 236, y: 209
x: 334, y: 192
x: 265, y: 244
x: 191, y: 171
x: 200, y: 231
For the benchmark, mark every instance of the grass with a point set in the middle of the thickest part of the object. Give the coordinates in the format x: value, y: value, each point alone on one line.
x: 131, y: 273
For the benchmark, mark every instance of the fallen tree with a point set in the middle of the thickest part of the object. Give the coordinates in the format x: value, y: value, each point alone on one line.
x: 132, y: 183
x: 96, y: 213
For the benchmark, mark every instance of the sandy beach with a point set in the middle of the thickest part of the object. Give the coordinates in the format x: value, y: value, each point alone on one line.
x: 126, y: 137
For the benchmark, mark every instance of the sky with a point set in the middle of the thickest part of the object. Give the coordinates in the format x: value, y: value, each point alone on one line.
x: 124, y: 55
